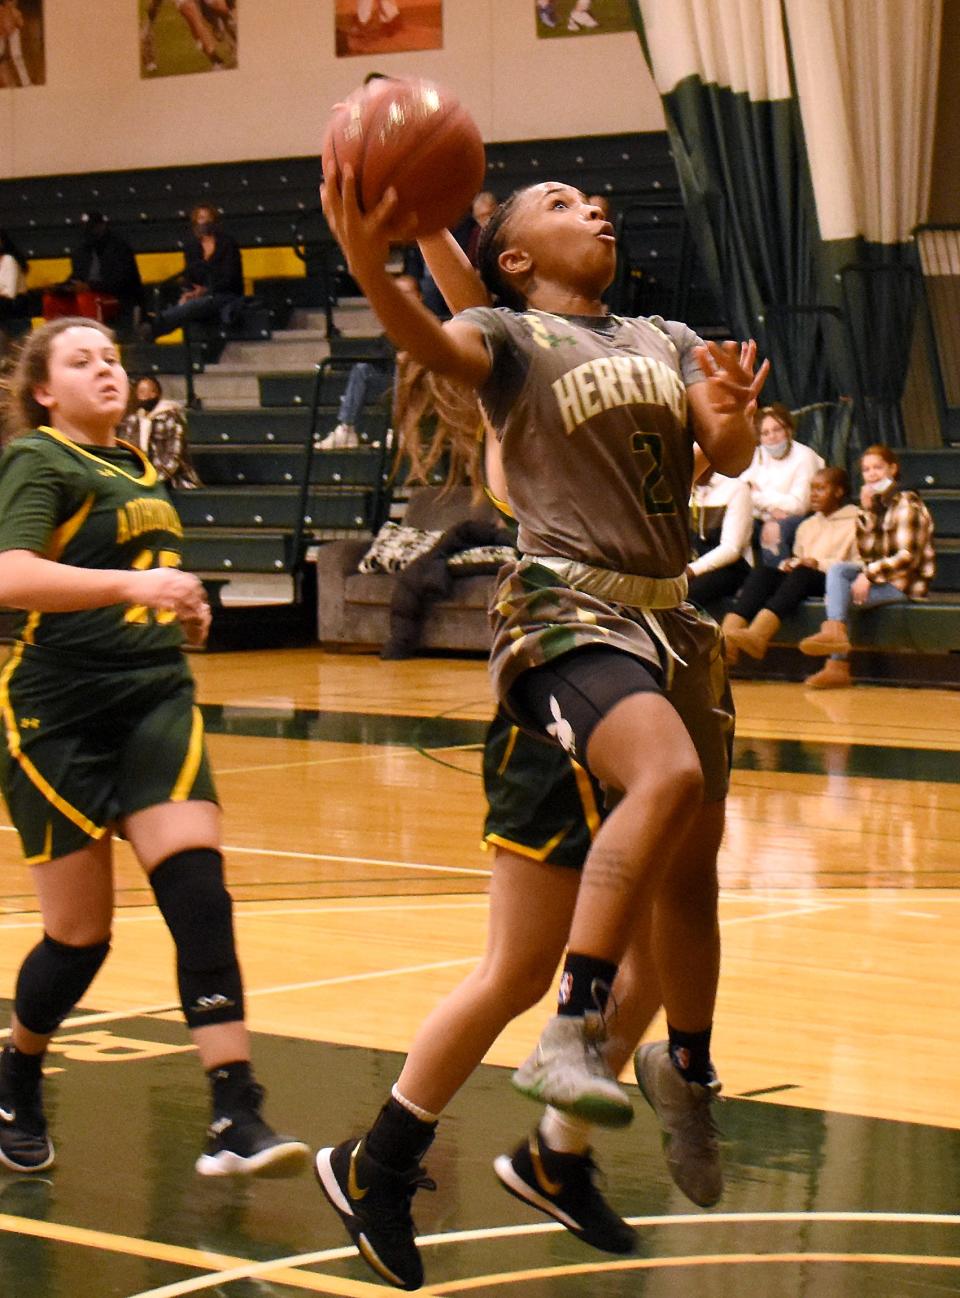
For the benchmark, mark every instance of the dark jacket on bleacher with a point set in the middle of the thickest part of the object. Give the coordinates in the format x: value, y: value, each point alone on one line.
x: 221, y: 273
x: 109, y: 265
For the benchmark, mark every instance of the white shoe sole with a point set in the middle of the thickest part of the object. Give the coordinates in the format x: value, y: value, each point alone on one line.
x: 331, y: 1188
x: 18, y: 1167
x: 279, y: 1160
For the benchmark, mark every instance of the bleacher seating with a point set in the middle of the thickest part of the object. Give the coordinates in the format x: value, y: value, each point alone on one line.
x: 927, y: 631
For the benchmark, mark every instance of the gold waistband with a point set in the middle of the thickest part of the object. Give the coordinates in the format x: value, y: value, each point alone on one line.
x: 617, y: 587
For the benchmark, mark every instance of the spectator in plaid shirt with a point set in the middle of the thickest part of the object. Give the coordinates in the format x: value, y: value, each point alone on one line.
x: 896, y: 564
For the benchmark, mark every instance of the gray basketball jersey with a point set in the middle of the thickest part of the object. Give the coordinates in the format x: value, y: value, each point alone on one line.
x: 591, y: 413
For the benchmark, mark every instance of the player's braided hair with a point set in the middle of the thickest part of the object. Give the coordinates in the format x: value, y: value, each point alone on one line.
x: 489, y: 249
x: 19, y: 409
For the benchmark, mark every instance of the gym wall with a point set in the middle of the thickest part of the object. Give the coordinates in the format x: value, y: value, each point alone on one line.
x: 95, y: 112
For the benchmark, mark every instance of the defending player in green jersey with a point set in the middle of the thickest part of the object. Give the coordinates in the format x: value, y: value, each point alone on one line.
x: 102, y: 735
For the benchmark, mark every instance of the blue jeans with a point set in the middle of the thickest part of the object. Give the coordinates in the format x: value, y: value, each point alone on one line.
x: 365, y: 382
x: 210, y: 306
x: 840, y: 578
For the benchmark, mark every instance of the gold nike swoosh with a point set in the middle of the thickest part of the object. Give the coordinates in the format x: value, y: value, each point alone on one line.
x: 539, y: 1171
x: 353, y: 1186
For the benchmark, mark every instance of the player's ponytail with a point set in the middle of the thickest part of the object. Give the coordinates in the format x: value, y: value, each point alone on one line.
x: 19, y: 409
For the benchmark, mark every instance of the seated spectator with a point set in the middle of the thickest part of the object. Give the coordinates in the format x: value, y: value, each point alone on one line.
x: 367, y: 381
x: 896, y: 563
x: 104, y: 281
x: 779, y: 477
x: 159, y: 428
x: 13, y: 277
x: 211, y: 287
x: 770, y: 594
x: 721, y: 521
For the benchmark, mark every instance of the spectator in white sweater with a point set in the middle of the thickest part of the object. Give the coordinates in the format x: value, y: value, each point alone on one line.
x: 721, y: 526
x: 779, y: 477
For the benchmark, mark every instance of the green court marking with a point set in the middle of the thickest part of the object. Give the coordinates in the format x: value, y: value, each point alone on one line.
x: 787, y: 756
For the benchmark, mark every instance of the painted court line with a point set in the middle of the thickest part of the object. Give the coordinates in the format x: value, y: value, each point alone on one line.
x: 347, y: 860
x: 284, y: 1270
x: 675, y: 1263
x: 243, y: 910
x: 139, y: 1011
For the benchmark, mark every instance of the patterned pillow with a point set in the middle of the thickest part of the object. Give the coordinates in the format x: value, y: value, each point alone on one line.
x: 395, y: 547
x: 487, y: 557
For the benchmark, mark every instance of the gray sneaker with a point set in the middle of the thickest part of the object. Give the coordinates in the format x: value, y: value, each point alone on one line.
x: 568, y: 1070
x: 689, y: 1133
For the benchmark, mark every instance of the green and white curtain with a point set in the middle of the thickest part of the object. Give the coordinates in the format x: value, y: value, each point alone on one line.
x: 802, y: 132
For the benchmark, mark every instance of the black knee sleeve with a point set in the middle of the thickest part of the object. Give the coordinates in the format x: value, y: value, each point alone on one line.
x: 51, y: 981
x: 198, y: 911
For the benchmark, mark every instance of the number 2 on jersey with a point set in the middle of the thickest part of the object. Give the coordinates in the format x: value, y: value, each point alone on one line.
x: 648, y: 448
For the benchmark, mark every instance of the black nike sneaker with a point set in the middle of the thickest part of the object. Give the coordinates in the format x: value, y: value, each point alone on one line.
x: 241, y: 1143
x: 373, y: 1202
x: 24, y: 1143
x: 564, y: 1187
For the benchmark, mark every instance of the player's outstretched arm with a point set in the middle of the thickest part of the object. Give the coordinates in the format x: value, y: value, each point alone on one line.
x: 28, y: 581
x: 453, y: 272
x: 456, y: 349
x: 723, y: 407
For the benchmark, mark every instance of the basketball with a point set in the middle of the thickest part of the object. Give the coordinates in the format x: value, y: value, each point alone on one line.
x: 414, y: 136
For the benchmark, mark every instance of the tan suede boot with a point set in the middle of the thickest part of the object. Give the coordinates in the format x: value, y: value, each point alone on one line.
x: 833, y: 675
x: 731, y: 622
x: 832, y: 638
x: 755, y: 638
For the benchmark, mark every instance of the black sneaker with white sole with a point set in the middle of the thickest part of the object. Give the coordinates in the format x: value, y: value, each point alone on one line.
x: 241, y: 1143
x: 564, y: 1187
x: 373, y: 1202
x: 24, y: 1143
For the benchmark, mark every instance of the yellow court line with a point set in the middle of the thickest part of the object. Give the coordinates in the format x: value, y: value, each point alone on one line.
x: 700, y: 1260
x: 279, y: 1270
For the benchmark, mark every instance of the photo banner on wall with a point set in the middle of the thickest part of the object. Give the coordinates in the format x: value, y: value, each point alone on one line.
x: 582, y: 17
x: 22, y: 61
x: 182, y: 36
x: 365, y: 27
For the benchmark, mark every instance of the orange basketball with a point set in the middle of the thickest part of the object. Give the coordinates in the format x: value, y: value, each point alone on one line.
x: 414, y: 136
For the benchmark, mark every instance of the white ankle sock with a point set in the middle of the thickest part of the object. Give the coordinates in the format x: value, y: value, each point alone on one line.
x: 423, y: 1114
x: 563, y: 1133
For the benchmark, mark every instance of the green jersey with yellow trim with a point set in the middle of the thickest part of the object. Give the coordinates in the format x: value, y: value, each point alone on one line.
x: 90, y: 507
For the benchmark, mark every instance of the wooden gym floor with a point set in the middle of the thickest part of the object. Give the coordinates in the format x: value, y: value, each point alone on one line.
x: 353, y: 807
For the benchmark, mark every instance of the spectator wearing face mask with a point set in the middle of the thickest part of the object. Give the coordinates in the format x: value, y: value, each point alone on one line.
x: 779, y: 477
x: 104, y: 281
x: 212, y: 282
x: 159, y: 428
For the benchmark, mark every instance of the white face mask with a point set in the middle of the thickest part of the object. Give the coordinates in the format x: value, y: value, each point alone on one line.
x: 779, y: 450
x: 878, y: 488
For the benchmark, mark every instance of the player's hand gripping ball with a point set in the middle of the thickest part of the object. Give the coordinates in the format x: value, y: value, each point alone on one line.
x: 412, y: 136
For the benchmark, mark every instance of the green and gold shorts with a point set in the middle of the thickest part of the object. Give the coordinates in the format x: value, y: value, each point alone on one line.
x: 87, y: 747
x: 540, y: 802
